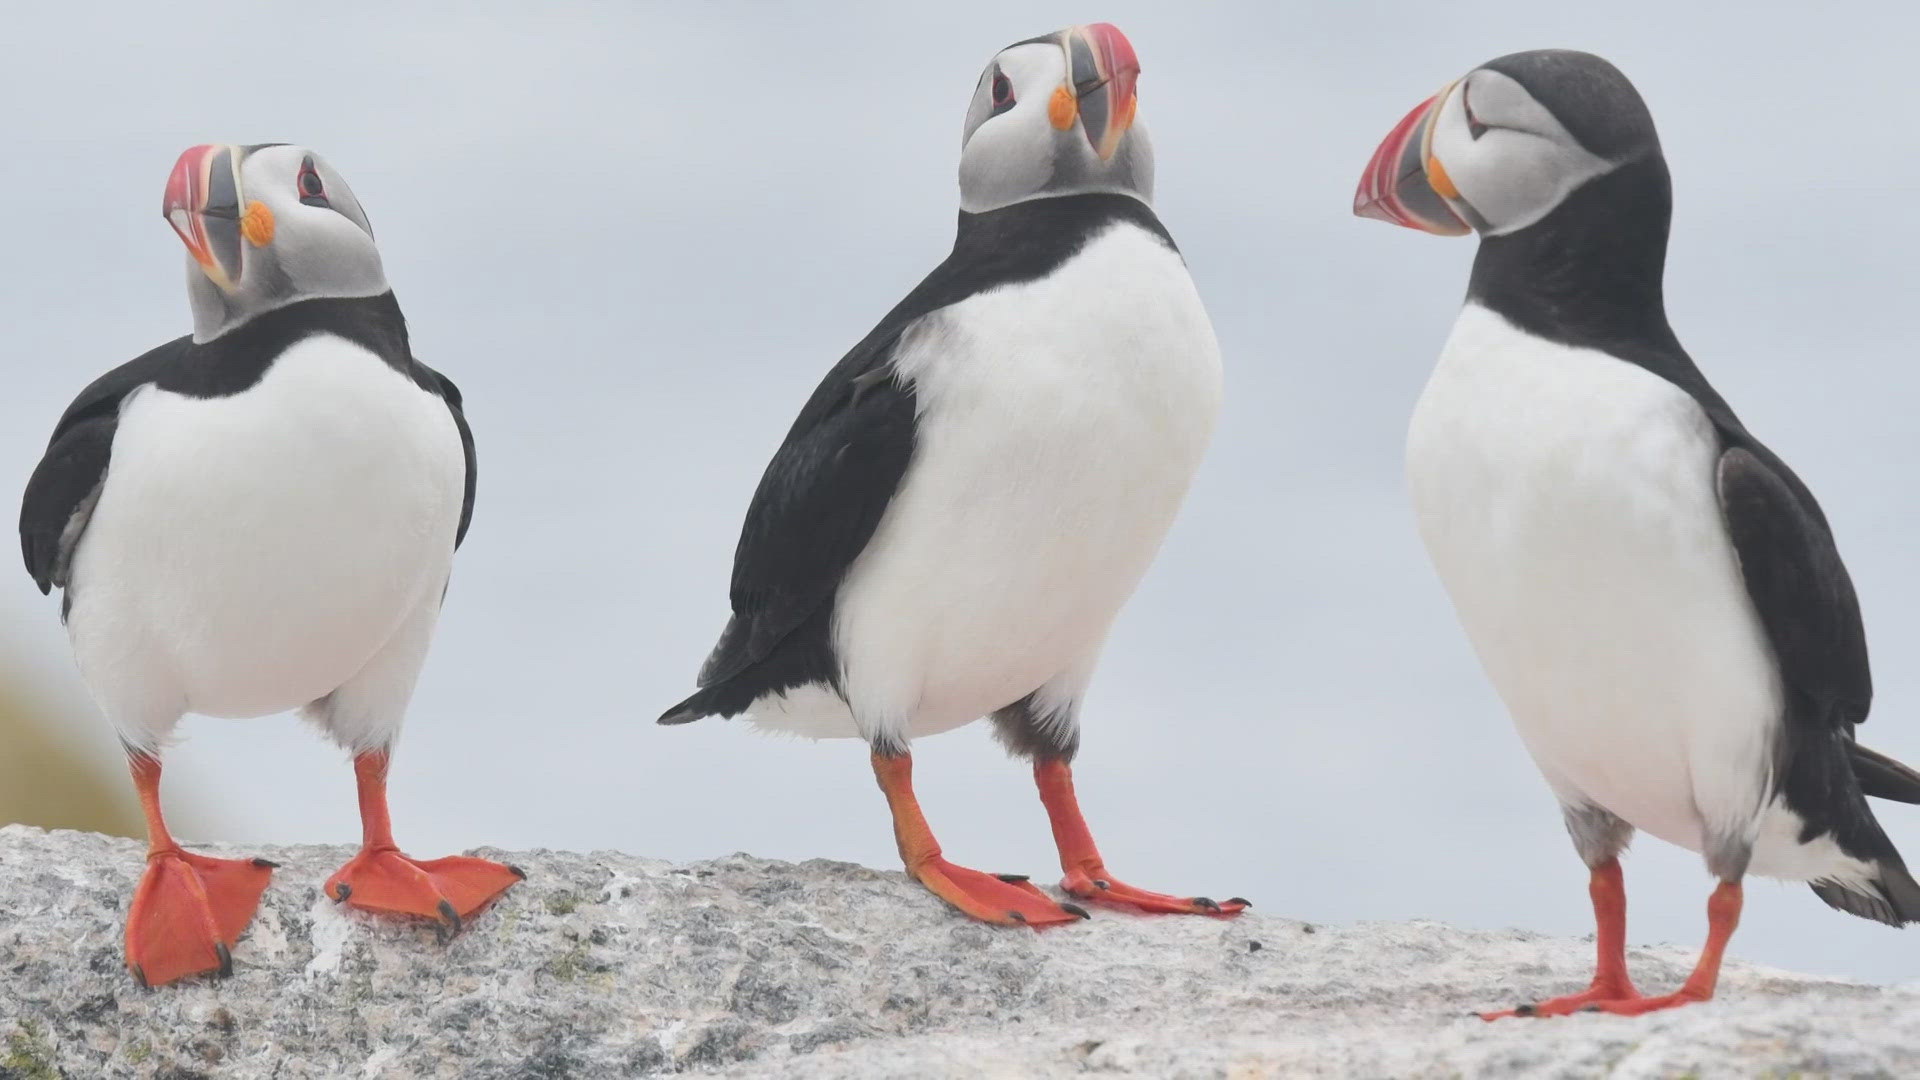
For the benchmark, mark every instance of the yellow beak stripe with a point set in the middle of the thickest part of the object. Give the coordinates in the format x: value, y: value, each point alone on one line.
x: 1439, y: 180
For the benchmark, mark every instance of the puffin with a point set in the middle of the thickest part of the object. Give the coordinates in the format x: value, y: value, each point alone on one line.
x: 1658, y: 600
x: 971, y: 494
x: 261, y: 517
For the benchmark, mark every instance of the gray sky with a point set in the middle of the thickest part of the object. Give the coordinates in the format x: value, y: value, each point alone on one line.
x: 637, y: 235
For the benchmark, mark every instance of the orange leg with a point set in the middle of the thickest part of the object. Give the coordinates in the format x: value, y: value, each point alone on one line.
x: 1610, y: 980
x: 1006, y: 899
x: 189, y: 910
x: 1723, y: 915
x: 1087, y: 875
x: 380, y: 878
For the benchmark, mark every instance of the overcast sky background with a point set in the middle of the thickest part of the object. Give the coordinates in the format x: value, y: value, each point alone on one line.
x: 638, y: 234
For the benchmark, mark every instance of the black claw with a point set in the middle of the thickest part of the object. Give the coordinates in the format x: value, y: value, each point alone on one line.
x: 1204, y: 904
x: 1076, y: 909
x: 1098, y: 884
x: 1241, y: 900
x: 341, y: 892
x: 517, y: 872
x: 140, y: 976
x: 226, y: 960
x: 1014, y: 879
x: 449, y: 924
x: 1593, y: 1008
x: 1016, y: 916
x: 1524, y: 1010
x: 266, y: 864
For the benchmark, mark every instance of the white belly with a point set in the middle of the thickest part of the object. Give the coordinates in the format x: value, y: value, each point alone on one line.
x: 250, y: 554
x: 1060, y: 424
x: 1567, y: 500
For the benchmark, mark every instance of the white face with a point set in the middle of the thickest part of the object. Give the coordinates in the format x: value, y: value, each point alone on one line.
x: 265, y: 227
x: 322, y: 242
x: 1037, y: 129
x: 1508, y: 159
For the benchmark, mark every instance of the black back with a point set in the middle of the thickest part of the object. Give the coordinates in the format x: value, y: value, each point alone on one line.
x: 1589, y: 275
x: 61, y: 493
x: 830, y: 482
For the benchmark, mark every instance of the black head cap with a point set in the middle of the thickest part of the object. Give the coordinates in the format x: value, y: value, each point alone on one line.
x: 1589, y: 96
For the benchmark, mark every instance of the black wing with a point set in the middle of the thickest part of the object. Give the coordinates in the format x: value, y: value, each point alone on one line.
x: 450, y: 393
x: 1799, y: 586
x: 816, y: 507
x: 1807, y: 606
x: 60, y: 495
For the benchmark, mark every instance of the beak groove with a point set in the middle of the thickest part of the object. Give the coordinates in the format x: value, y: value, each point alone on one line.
x: 202, y: 203
x: 1105, y: 73
x: 1396, y: 187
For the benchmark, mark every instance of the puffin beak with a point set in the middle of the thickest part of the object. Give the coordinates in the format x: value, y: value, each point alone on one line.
x: 1403, y: 182
x: 1103, y: 70
x: 203, y: 206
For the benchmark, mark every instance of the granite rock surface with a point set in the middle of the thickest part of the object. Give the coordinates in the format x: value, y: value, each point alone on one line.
x: 606, y: 964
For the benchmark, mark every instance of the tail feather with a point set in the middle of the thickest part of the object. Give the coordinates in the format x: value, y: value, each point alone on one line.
x: 1884, y: 778
x: 687, y: 711
x: 1894, y: 899
x: 725, y: 699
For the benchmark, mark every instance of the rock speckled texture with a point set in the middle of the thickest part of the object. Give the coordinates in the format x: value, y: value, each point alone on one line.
x: 606, y: 964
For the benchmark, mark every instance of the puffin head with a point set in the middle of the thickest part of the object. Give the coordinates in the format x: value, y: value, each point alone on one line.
x: 1054, y: 115
x: 266, y: 226
x: 1501, y: 148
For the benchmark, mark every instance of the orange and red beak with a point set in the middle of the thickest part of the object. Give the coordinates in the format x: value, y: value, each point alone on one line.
x: 1103, y: 72
x: 1400, y: 185
x: 203, y: 205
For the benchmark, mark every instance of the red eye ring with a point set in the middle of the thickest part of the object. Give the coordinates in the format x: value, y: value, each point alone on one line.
x: 1475, y: 128
x: 311, y: 189
x: 1002, y: 92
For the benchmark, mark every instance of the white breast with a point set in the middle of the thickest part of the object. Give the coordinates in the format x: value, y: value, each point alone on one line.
x: 250, y: 553
x: 1060, y: 424
x: 1567, y: 500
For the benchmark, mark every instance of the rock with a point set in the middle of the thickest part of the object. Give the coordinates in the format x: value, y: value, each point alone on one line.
x: 606, y: 964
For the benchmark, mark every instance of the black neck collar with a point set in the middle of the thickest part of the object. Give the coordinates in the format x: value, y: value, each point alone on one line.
x: 372, y: 322
x: 1589, y: 273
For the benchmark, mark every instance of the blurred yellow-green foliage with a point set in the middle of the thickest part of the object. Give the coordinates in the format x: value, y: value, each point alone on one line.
x: 45, y: 781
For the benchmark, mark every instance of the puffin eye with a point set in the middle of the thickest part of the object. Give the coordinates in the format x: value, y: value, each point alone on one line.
x: 1475, y: 128
x: 1002, y: 92
x: 312, y: 191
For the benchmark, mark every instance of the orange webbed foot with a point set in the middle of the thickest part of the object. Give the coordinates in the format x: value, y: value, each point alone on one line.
x: 448, y: 891
x: 1086, y: 873
x: 1592, y: 999
x: 1595, y: 1002
x: 1638, y: 1006
x: 1005, y: 899
x: 1612, y: 992
x: 188, y: 913
x: 1096, y: 884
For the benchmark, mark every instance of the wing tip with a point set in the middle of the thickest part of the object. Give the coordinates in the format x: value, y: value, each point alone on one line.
x: 1894, y: 899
